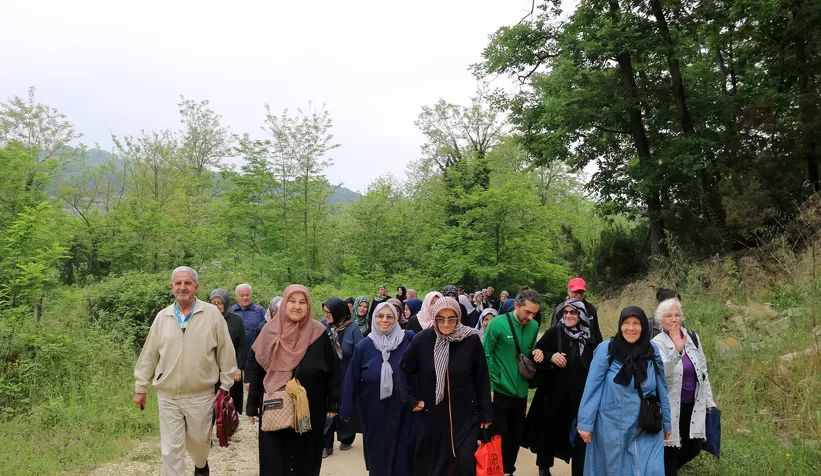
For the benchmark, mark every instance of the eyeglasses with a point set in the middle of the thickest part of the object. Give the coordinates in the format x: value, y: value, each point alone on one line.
x: 571, y: 313
x: 384, y: 317
x: 450, y: 320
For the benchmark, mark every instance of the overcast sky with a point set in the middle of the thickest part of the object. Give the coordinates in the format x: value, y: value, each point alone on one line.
x: 119, y: 66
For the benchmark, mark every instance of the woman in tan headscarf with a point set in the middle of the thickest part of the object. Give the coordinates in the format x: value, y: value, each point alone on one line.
x: 293, y: 345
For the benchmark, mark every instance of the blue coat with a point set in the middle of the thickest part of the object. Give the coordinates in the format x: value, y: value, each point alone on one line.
x: 251, y: 316
x: 351, y: 336
x: 610, y: 411
x: 388, y: 427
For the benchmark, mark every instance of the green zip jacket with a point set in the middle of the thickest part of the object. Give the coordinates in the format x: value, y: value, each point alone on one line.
x: 501, y: 354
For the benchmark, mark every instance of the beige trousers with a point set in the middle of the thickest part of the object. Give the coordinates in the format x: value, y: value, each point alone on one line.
x: 185, y: 424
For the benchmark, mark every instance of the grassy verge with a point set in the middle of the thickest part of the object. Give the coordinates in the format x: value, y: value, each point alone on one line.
x: 771, y: 409
x: 65, y: 394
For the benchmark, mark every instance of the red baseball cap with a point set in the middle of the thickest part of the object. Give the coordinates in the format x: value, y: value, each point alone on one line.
x: 577, y: 284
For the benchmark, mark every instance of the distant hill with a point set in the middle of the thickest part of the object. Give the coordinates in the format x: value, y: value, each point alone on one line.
x: 97, y: 157
x: 342, y: 196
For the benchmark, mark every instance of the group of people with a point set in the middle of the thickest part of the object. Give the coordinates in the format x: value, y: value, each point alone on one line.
x: 420, y: 379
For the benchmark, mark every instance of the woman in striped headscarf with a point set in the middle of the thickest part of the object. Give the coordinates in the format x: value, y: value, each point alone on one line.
x: 452, y: 395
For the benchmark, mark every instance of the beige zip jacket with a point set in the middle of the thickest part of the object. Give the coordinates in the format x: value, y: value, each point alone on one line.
x: 182, y: 365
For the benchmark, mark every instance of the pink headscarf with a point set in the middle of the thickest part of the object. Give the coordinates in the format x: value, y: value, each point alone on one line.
x: 282, y: 343
x: 425, y: 314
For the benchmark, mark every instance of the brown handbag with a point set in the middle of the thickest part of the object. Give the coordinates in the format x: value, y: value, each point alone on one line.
x: 277, y: 411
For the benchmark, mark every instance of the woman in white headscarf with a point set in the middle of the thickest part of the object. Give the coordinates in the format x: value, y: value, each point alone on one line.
x: 388, y: 428
x: 484, y: 320
x: 473, y: 311
x: 424, y: 318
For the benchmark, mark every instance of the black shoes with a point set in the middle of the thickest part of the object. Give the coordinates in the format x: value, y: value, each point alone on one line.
x: 345, y: 446
x: 327, y: 452
x: 202, y: 471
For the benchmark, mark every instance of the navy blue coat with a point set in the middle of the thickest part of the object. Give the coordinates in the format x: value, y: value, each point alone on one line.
x: 388, y: 427
x: 251, y: 316
x: 453, y: 424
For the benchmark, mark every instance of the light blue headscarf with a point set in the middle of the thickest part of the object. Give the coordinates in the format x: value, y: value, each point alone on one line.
x: 386, y: 343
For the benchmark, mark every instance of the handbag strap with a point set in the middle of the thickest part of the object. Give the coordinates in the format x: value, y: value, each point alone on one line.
x: 513, y: 331
x: 638, y: 385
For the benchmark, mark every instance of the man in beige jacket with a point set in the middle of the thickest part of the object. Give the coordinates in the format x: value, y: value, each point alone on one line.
x: 187, y: 351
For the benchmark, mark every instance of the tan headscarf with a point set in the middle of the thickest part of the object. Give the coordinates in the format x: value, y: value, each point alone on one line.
x: 282, y: 343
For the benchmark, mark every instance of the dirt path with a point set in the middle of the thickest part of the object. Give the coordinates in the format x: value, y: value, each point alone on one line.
x: 241, y: 459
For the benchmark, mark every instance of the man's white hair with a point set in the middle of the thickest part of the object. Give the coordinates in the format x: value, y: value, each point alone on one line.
x: 666, y: 306
x: 241, y: 287
x: 185, y: 269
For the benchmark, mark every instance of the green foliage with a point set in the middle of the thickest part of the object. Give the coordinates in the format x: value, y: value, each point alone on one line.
x: 65, y: 391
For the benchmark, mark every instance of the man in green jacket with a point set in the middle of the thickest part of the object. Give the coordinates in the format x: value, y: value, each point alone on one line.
x: 508, y: 387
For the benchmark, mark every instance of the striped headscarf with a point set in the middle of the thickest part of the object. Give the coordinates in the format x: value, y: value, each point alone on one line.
x: 441, y: 348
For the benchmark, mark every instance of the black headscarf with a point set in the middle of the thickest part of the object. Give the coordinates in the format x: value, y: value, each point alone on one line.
x: 403, y: 294
x: 633, y: 357
x: 339, y: 309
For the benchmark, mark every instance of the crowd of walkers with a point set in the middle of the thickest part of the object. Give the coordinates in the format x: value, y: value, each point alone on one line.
x: 419, y: 379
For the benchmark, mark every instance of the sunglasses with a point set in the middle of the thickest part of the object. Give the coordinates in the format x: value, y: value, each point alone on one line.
x: 450, y: 320
x: 384, y: 317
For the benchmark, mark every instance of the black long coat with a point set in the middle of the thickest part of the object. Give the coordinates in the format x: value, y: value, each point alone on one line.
x: 284, y: 451
x: 556, y: 401
x: 453, y: 424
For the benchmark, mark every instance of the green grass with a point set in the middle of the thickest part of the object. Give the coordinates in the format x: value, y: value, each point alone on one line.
x: 66, y: 390
x: 771, y: 413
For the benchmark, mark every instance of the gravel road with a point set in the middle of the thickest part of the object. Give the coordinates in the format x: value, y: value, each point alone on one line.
x: 241, y: 459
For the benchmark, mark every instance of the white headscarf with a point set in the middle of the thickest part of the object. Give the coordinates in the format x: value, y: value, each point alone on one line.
x: 463, y: 300
x: 479, y: 326
x: 425, y: 314
x: 386, y: 343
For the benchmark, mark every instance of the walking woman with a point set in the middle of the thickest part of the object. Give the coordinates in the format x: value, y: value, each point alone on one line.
x: 688, y: 386
x: 484, y: 320
x: 552, y: 416
x: 453, y: 397
x: 608, y: 418
x: 219, y: 297
x: 293, y: 345
x: 424, y: 318
x: 360, y: 314
x: 388, y: 428
x: 345, y: 335
x: 401, y: 293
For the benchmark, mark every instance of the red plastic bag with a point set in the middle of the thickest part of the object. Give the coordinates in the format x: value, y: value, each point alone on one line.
x: 489, y: 456
x: 226, y: 416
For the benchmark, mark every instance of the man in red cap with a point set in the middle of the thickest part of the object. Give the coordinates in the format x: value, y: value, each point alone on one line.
x: 577, y: 289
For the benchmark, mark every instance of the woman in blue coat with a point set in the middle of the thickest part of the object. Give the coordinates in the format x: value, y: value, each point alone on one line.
x: 388, y: 428
x: 609, y: 410
x: 345, y: 335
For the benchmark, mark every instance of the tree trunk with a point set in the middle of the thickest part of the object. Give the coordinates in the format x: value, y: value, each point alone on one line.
x: 705, y: 178
x: 652, y: 199
x: 806, y: 116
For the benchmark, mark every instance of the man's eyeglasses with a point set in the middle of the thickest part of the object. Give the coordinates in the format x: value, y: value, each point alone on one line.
x: 384, y: 317
x: 450, y: 320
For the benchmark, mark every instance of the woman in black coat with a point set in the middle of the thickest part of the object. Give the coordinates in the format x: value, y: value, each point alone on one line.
x: 293, y: 345
x: 236, y: 329
x: 453, y: 397
x: 550, y: 427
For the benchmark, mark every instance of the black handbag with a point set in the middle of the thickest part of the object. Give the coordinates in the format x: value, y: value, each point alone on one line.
x: 649, y: 409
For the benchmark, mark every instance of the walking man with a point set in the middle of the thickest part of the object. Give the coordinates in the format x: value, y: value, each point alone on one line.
x: 508, y: 387
x: 187, y: 351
